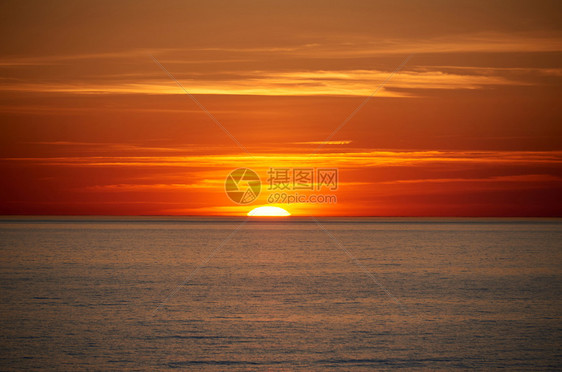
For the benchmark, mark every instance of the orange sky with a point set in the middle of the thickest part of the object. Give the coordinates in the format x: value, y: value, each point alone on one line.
x: 471, y: 126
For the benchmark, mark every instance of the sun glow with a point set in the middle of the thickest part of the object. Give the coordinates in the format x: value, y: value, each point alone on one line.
x: 268, y: 212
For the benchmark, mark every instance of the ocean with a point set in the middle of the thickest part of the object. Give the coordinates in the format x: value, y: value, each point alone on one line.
x: 157, y: 293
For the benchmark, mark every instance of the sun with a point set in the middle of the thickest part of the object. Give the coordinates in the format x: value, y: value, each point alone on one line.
x: 268, y: 212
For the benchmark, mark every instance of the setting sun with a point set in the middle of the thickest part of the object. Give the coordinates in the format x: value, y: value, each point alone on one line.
x: 268, y: 212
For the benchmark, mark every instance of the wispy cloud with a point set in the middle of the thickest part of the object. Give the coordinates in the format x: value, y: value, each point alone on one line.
x: 298, y: 83
x: 291, y: 74
x: 203, y: 184
x: 525, y: 178
x: 346, y: 46
x: 347, y: 142
x: 342, y: 159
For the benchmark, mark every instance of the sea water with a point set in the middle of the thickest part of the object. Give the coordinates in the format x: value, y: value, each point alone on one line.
x: 220, y: 293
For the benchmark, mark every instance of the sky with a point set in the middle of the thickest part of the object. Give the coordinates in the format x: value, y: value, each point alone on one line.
x: 470, y: 125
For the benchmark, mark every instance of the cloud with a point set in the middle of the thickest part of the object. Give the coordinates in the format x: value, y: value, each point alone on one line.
x: 525, y: 178
x: 295, y: 70
x: 335, y: 159
x: 345, y: 142
x: 348, y: 46
x: 203, y: 184
x: 298, y: 83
